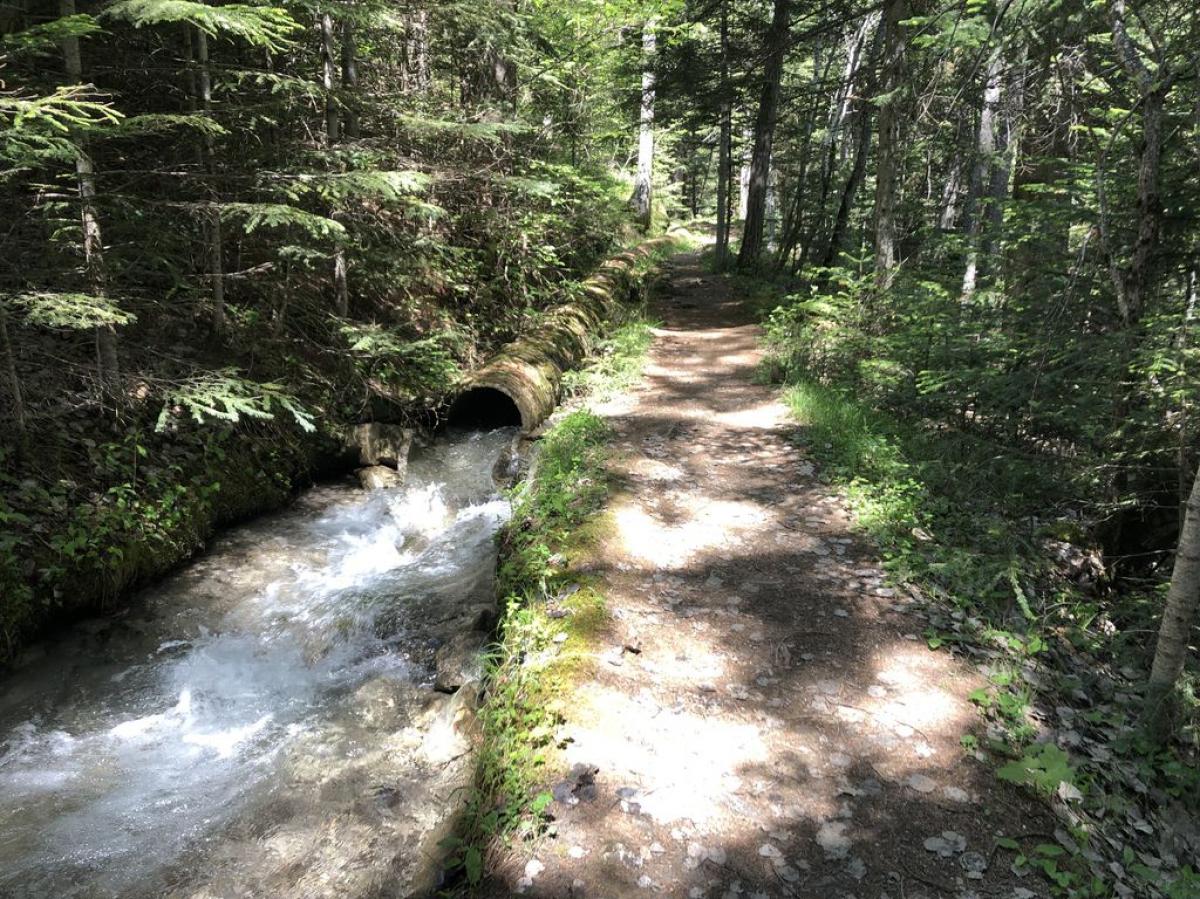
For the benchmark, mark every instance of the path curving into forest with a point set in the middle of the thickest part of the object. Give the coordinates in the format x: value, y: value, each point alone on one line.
x: 763, y: 717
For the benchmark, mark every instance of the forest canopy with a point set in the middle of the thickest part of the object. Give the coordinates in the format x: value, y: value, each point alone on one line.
x: 229, y: 230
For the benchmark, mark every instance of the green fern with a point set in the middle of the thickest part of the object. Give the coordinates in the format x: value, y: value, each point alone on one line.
x: 70, y: 311
x: 280, y: 215
x: 227, y: 396
x: 261, y: 26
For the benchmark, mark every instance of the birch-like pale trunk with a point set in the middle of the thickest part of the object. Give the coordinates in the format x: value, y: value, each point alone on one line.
x: 642, y: 200
x: 107, y: 365
x: 216, y: 248
x: 725, y: 150
x: 1178, y: 619
x: 986, y: 149
x: 350, y: 79
x: 333, y: 125
x: 744, y: 172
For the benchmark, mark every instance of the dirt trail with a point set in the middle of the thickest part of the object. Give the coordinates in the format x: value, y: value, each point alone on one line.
x: 764, y: 719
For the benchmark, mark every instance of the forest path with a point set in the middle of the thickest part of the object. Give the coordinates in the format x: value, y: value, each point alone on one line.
x: 763, y: 718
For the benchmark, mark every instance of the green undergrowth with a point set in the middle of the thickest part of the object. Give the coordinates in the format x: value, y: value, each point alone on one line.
x: 547, y: 619
x: 955, y: 521
x: 550, y: 615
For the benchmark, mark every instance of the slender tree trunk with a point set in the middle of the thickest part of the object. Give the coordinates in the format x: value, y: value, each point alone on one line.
x: 1132, y: 282
x: 986, y: 152
x: 744, y: 172
x: 16, y: 398
x: 350, y: 78
x: 642, y: 201
x: 862, y: 149
x: 764, y: 136
x: 1178, y: 618
x: 341, y: 290
x: 1184, y: 447
x: 341, y: 283
x: 949, y: 203
x: 792, y: 226
x: 420, y: 51
x: 888, y: 155
x: 332, y: 113
x: 216, y: 252
x: 725, y: 151
x: 107, y: 364
x: 840, y: 109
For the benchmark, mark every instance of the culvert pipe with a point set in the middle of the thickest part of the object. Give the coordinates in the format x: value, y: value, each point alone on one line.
x: 521, y: 384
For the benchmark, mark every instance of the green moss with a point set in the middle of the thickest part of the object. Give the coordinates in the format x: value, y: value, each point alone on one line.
x: 558, y: 516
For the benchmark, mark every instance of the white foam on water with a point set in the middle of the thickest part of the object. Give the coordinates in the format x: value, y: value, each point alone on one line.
x: 149, y: 739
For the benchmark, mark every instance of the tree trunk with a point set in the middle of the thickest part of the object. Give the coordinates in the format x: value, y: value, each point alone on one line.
x: 642, y: 201
x: 418, y: 51
x: 862, y: 146
x: 341, y: 286
x: 725, y: 151
x: 216, y: 253
x: 862, y: 149
x: 764, y: 136
x: 16, y: 398
x: 332, y: 114
x: 887, y: 160
x: 986, y: 152
x: 1178, y: 618
x: 744, y: 172
x: 107, y: 365
x: 350, y: 79
x: 1133, y: 281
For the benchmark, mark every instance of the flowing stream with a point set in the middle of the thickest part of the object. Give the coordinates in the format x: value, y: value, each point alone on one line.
x: 223, y: 708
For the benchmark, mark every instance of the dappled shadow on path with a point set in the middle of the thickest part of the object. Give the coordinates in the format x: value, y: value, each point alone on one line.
x: 764, y: 719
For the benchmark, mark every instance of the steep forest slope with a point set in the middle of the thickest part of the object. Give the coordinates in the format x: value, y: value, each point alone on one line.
x: 230, y: 231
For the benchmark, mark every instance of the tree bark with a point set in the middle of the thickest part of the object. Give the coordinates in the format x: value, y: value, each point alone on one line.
x: 642, y: 201
x: 764, y: 137
x: 1178, y: 618
x: 15, y: 396
x: 1132, y: 282
x: 862, y: 143
x: 216, y: 252
x: 107, y: 365
x: 332, y: 113
x: 725, y: 151
x: 887, y: 160
x: 840, y: 109
x: 341, y: 289
x: 862, y: 149
x: 350, y: 79
x: 986, y: 151
x: 341, y: 285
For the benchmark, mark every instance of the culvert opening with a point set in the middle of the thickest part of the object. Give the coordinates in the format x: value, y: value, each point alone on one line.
x: 484, y: 409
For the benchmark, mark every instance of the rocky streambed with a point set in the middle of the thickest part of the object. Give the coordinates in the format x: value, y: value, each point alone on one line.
x: 289, y: 715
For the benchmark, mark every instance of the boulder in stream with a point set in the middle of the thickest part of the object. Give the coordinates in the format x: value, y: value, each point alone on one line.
x: 459, y: 661
x: 383, y: 444
x: 379, y: 477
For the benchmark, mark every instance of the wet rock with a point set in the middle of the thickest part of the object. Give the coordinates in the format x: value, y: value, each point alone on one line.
x: 378, y: 477
x: 459, y: 661
x: 380, y: 444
